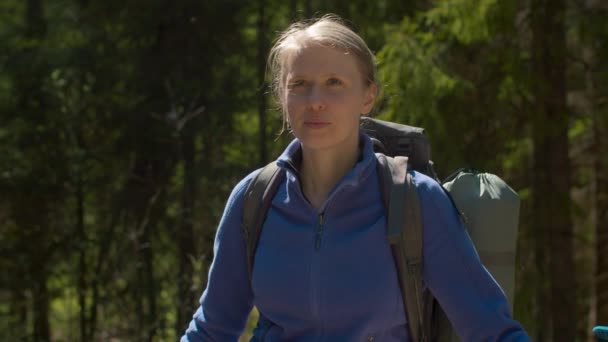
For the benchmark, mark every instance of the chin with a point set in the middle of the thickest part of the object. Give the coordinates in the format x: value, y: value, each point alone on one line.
x: 322, y: 142
x: 314, y: 143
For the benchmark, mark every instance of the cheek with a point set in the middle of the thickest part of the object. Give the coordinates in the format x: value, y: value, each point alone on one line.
x: 348, y: 101
x: 294, y: 104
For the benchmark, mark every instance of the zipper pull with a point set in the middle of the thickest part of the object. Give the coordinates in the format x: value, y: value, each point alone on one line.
x: 319, y: 232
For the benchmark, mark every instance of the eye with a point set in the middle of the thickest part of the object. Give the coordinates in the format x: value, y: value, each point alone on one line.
x: 296, y: 84
x: 334, y: 82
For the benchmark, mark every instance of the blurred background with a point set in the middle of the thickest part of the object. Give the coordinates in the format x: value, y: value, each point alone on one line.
x: 125, y: 124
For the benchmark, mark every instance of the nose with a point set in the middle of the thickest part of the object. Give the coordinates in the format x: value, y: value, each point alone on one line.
x: 316, y: 99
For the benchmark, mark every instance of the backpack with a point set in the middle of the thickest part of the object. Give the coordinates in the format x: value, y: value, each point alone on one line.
x: 400, y: 148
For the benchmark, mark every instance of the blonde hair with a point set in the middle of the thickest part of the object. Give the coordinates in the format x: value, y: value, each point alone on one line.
x: 328, y: 30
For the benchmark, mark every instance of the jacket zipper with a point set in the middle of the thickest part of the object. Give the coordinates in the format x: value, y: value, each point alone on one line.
x: 315, y: 269
x: 315, y: 298
x: 319, y: 233
x: 315, y: 278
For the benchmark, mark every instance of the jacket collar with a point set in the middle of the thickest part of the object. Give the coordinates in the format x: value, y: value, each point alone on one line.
x: 291, y: 159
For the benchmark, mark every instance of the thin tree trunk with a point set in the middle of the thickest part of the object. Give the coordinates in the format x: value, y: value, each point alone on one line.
x: 599, y: 298
x: 552, y: 165
x: 105, y: 244
x: 82, y: 267
x: 138, y: 192
x: 149, y: 206
x: 308, y: 8
x: 147, y: 213
x: 18, y: 308
x: 293, y: 9
x: 35, y: 268
x: 542, y: 302
x: 185, y: 234
x: 601, y: 220
x: 150, y: 286
x: 261, y: 36
x: 42, y: 329
x: 36, y: 27
x: 137, y: 293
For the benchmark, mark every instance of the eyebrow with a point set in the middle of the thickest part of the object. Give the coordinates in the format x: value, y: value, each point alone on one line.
x: 331, y: 74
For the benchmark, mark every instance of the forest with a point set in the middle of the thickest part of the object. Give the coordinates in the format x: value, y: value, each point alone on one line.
x: 125, y: 124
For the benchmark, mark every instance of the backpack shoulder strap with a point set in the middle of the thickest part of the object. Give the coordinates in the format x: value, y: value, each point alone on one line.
x: 258, y: 197
x: 405, y: 236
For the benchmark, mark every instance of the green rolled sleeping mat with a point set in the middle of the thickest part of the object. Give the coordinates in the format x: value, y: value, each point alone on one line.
x: 490, y: 208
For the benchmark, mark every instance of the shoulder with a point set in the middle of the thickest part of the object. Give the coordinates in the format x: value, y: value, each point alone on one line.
x: 233, y: 211
x: 239, y: 191
x: 431, y: 193
x: 245, y: 181
x: 425, y: 183
x: 440, y: 217
x: 237, y: 196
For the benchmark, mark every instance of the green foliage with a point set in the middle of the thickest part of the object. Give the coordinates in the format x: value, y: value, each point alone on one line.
x: 457, y: 71
x: 413, y: 79
x: 466, y: 21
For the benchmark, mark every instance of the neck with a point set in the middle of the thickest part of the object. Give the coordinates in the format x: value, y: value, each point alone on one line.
x: 321, y: 170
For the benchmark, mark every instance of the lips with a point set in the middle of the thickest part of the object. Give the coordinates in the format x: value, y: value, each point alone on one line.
x: 316, y: 124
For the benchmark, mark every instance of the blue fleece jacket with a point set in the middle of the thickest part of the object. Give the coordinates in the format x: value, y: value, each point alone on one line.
x: 328, y: 274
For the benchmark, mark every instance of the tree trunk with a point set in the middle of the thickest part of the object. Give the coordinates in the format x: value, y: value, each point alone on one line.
x: 35, y: 275
x: 147, y: 189
x: 599, y: 298
x: 108, y: 238
x: 42, y: 329
x: 542, y: 302
x: 145, y: 291
x: 293, y: 9
x: 17, y: 326
x: 147, y: 212
x: 261, y: 36
x: 36, y: 25
x: 150, y: 285
x: 601, y: 219
x: 185, y: 234
x: 551, y: 186
x: 308, y: 8
x: 82, y: 266
x: 36, y: 28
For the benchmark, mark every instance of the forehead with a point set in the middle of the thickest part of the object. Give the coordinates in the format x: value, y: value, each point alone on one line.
x: 319, y: 59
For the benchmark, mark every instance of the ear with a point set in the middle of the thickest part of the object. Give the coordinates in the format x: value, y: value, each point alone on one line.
x: 369, y: 98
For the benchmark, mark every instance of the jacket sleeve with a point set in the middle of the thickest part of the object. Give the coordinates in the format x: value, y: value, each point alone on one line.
x: 453, y: 272
x: 227, y: 300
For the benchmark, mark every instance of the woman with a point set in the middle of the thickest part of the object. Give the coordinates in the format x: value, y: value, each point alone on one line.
x: 323, y: 268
